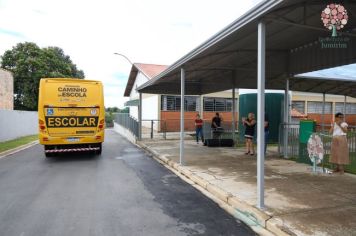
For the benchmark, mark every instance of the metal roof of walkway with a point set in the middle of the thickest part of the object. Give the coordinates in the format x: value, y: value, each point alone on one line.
x: 294, y: 34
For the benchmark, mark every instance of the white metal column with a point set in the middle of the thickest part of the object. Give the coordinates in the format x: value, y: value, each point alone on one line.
x: 286, y: 120
x: 323, y: 115
x: 260, y: 113
x: 182, y: 86
x: 201, y: 108
x: 140, y: 117
x: 233, y: 113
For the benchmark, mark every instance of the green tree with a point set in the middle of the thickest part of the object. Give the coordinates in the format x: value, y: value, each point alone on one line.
x: 112, y: 109
x: 29, y: 63
x: 125, y: 110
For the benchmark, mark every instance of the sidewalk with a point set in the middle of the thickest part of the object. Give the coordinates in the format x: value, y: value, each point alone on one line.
x: 17, y: 149
x: 297, y: 201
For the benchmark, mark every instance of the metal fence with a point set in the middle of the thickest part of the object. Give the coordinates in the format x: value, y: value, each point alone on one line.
x: 170, y: 129
x: 154, y: 129
x: 290, y: 146
x: 227, y: 131
x: 128, y: 122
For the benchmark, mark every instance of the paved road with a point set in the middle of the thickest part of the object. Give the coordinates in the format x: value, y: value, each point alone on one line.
x: 123, y: 192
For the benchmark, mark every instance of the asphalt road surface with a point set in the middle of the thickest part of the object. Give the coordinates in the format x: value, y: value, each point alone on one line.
x: 122, y: 192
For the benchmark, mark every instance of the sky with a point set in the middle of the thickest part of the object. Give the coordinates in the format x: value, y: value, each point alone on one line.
x: 145, y: 31
x: 347, y: 72
x: 90, y: 32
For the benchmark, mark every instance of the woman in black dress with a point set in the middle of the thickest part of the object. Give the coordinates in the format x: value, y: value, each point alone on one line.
x: 249, y: 124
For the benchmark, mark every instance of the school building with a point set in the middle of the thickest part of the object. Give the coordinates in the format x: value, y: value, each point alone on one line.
x: 165, y: 108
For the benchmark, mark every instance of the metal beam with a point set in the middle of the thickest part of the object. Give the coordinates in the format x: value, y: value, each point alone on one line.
x: 221, y: 68
x: 235, y: 52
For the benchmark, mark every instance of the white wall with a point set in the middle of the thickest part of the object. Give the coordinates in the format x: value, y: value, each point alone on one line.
x: 134, y: 112
x: 124, y: 132
x: 140, y: 79
x: 14, y: 124
x: 150, y: 108
x: 150, y: 102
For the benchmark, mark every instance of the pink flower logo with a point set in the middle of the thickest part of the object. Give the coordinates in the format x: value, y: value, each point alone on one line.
x: 334, y: 17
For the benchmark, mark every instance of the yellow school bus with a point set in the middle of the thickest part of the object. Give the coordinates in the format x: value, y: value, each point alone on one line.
x: 71, y: 115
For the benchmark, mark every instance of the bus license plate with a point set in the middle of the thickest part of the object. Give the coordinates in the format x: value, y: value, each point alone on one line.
x: 73, y: 139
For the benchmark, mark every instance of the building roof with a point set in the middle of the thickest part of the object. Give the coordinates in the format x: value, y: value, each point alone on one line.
x: 296, y: 114
x: 149, y: 70
x: 294, y: 34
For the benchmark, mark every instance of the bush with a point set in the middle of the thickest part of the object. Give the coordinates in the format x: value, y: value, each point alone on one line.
x: 109, y: 119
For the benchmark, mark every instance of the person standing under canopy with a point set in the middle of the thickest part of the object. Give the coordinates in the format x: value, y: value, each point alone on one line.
x: 339, y: 148
x: 216, y: 126
x: 199, y: 128
x: 249, y: 124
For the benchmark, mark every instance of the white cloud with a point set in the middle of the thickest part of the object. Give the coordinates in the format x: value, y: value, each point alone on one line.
x: 155, y: 31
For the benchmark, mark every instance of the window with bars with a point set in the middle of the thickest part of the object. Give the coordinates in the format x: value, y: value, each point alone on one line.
x: 218, y: 104
x: 190, y: 103
x: 172, y: 103
x: 229, y: 104
x: 317, y: 107
x: 350, y: 108
x: 209, y: 104
x: 299, y: 106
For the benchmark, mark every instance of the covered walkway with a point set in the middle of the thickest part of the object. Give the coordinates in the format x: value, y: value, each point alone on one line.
x: 297, y: 201
x: 268, y: 47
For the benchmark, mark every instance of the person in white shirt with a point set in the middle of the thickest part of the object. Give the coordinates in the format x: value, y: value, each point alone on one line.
x: 339, y: 148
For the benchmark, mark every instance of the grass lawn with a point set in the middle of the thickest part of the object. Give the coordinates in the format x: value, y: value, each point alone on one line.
x: 7, y: 145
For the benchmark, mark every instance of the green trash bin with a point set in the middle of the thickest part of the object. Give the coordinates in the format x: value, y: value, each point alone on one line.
x: 306, y: 128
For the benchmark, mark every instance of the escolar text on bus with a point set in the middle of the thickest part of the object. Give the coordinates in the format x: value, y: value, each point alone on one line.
x: 64, y: 121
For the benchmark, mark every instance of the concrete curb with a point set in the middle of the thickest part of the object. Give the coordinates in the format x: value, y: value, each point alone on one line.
x: 276, y: 225
x: 258, y: 220
x: 17, y: 149
x: 218, y: 192
x: 249, y: 212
